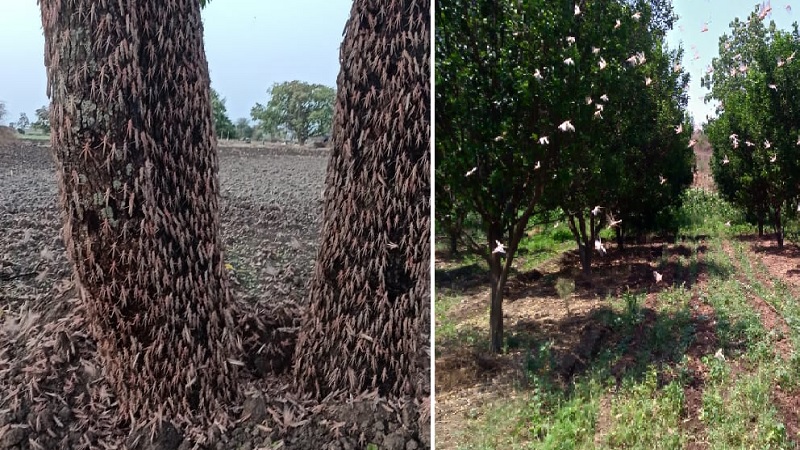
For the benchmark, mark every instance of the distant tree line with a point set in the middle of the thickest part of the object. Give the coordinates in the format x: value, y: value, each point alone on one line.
x: 23, y: 123
x: 296, y: 111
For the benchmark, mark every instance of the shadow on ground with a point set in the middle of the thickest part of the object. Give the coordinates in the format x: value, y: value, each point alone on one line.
x: 556, y: 339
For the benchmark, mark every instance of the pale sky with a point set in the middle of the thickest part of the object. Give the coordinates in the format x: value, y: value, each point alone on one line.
x: 253, y: 43
x: 250, y: 44
x: 718, y: 14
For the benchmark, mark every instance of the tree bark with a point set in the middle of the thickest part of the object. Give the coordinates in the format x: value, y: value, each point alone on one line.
x: 586, y: 249
x: 369, y: 301
x: 496, y: 311
x: 778, y: 228
x: 137, y: 170
x: 452, y: 235
x: 620, y: 238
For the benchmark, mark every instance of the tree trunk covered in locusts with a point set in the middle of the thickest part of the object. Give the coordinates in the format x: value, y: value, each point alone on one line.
x: 138, y: 178
x: 366, y: 327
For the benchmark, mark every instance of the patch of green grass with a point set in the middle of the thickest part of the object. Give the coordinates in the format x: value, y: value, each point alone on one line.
x: 646, y: 396
x: 33, y: 137
x: 705, y: 213
x: 535, y: 250
x: 540, y: 418
x: 738, y: 412
x: 737, y: 409
x: 448, y: 331
x: 646, y: 416
x: 445, y: 326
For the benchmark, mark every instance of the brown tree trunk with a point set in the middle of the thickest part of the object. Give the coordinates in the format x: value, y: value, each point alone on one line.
x: 586, y: 249
x: 620, y: 238
x: 453, y: 241
x: 137, y: 170
x: 368, y: 317
x: 778, y: 228
x: 496, y: 311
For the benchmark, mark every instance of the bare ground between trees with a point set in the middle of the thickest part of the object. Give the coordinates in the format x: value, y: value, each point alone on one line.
x: 469, y: 378
x: 52, y: 390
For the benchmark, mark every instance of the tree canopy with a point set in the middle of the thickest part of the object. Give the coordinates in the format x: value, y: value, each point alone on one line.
x: 556, y: 107
x: 297, y: 108
x: 756, y: 135
x: 223, y: 127
x: 42, y: 119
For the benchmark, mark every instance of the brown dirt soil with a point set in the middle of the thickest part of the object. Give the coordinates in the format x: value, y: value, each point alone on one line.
x: 53, y: 394
x: 783, y: 264
x: 467, y: 378
x: 7, y: 135
x: 705, y: 342
x: 703, y: 178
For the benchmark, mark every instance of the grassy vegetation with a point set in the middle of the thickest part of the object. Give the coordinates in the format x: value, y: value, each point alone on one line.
x: 34, y: 136
x: 632, y: 393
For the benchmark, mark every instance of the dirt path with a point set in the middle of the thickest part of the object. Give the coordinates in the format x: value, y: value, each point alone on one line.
x: 781, y: 264
x: 469, y: 379
x: 705, y: 342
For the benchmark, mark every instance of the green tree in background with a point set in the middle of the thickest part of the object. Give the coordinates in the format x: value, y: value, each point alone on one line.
x: 23, y: 122
x: 223, y: 127
x: 42, y: 122
x: 756, y: 159
x: 243, y: 128
x: 301, y: 109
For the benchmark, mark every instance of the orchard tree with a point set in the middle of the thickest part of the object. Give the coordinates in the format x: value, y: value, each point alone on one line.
x: 625, y: 124
x: 489, y: 58
x: 531, y: 101
x: 137, y: 171
x: 366, y: 328
x: 756, y: 159
x: 223, y: 126
x: 304, y: 110
x: 652, y: 166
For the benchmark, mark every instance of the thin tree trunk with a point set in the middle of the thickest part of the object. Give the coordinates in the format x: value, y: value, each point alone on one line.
x: 496, y: 311
x: 778, y: 228
x: 620, y: 238
x: 760, y: 227
x: 137, y: 170
x: 586, y: 248
x: 453, y: 236
x: 579, y: 233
